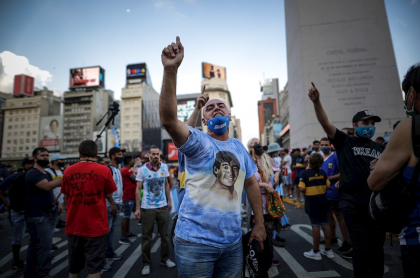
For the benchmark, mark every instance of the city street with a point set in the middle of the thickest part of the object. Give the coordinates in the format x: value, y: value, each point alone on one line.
x: 292, y: 262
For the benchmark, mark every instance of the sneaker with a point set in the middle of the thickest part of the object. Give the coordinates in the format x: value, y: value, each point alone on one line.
x: 107, y: 267
x: 145, y: 270
x: 54, y: 247
x: 348, y: 255
x: 168, y: 263
x: 290, y: 196
x: 302, y: 200
x: 280, y: 239
x: 312, y: 255
x: 334, y: 241
x: 56, y: 230
x: 277, y: 243
x: 18, y: 266
x: 114, y: 257
x: 345, y: 248
x: 131, y: 235
x: 285, y: 227
x: 328, y: 253
x: 125, y: 240
x: 275, y: 262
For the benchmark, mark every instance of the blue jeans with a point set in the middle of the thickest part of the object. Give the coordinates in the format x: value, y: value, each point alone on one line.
x: 112, y: 219
x: 128, y: 208
x: 18, y: 220
x: 38, y: 258
x: 197, y: 260
x: 54, y: 218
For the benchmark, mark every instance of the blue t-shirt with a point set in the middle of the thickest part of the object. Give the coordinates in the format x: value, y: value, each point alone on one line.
x: 40, y: 202
x: 300, y: 161
x: 331, y: 168
x: 410, y: 235
x: 215, y: 175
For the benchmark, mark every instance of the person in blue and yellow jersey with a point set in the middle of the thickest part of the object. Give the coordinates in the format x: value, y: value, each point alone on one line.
x: 314, y: 183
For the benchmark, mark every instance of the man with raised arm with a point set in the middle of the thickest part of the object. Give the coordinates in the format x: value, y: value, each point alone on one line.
x: 208, y: 232
x: 355, y: 154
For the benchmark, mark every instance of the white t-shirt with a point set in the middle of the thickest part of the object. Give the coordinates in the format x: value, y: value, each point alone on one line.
x: 57, y: 190
x: 277, y: 160
x: 288, y: 164
x: 154, y: 195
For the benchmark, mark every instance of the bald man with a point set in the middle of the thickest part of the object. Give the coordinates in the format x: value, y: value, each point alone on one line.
x: 208, y: 231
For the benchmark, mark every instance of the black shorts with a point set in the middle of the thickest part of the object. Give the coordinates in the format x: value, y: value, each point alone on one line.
x: 334, y: 205
x: 89, y: 251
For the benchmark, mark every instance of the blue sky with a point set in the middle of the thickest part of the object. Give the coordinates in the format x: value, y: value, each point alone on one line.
x: 247, y: 37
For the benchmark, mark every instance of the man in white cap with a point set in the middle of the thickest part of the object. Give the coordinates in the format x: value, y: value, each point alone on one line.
x: 56, y: 171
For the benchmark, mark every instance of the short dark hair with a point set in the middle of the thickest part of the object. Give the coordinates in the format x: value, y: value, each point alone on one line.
x: 380, y: 138
x: 88, y: 148
x: 225, y: 156
x: 53, y: 121
x: 153, y: 147
x: 286, y: 150
x: 412, y: 78
x: 38, y: 150
x: 315, y: 141
x: 315, y: 161
x: 350, y: 130
x: 127, y: 159
x: 325, y: 139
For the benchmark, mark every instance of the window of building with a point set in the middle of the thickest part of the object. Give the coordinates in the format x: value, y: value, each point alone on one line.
x: 126, y: 110
x: 20, y: 148
x: 35, y: 125
x: 136, y: 133
x: 128, y: 93
x: 135, y: 117
x: 136, y: 101
x: 27, y: 148
x: 14, y: 149
x: 22, y: 126
x: 135, y: 92
x: 8, y: 149
x: 33, y: 140
x: 21, y: 141
x: 34, y: 132
x: 16, y: 119
x: 16, y: 126
x: 11, y: 120
x: 9, y: 141
x: 30, y: 110
x: 28, y: 125
x: 136, y: 125
x: 22, y: 119
x: 127, y: 133
x: 127, y: 118
x: 28, y: 133
x: 22, y: 133
x: 27, y: 140
x: 9, y: 127
x: 11, y: 113
x: 14, y: 141
x: 136, y: 109
x: 127, y: 102
x: 127, y: 125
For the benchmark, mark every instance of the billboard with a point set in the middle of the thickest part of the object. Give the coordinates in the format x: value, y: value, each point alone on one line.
x: 136, y: 71
x: 170, y: 151
x: 184, y: 109
x: 51, y: 131
x: 23, y: 85
x: 87, y: 77
x: 213, y: 71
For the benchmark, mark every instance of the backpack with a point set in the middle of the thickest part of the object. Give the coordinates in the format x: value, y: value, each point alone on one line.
x: 17, y: 193
x: 389, y: 207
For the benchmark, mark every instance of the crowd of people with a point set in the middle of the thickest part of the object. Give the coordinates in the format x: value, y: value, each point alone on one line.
x: 333, y: 178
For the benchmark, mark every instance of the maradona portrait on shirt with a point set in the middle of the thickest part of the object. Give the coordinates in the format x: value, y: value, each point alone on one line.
x: 226, y: 169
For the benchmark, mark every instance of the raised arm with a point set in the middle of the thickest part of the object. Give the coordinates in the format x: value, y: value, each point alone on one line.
x: 172, y: 56
x: 201, y: 101
x: 322, y: 117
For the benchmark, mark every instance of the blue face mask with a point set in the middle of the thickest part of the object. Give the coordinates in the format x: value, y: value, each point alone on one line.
x: 326, y: 150
x: 218, y: 124
x: 366, y: 131
x: 119, y: 160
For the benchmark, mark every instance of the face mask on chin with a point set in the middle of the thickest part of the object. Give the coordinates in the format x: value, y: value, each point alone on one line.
x: 43, y: 163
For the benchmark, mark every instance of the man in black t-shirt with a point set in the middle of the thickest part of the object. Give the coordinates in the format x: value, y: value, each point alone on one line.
x: 39, y: 206
x: 355, y: 154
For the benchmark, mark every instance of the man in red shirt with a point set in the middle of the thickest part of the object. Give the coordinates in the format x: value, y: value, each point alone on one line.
x: 129, y: 198
x: 86, y: 185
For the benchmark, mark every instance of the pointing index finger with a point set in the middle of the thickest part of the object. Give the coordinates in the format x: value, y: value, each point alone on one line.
x: 178, y: 42
x: 204, y: 88
x: 313, y: 85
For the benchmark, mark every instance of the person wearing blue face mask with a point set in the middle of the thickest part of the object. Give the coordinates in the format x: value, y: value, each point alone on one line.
x: 355, y: 154
x: 116, y: 156
x: 217, y: 169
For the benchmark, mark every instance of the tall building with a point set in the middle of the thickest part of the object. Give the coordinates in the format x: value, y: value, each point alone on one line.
x: 140, y: 122
x: 82, y: 111
x: 345, y: 48
x: 284, y: 118
x: 3, y: 98
x: 22, y: 119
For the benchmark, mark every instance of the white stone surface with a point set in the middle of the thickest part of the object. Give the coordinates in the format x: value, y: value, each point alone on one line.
x: 345, y: 48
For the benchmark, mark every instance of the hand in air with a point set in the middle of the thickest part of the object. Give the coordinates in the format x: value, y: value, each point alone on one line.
x: 202, y: 99
x: 173, y: 54
x: 313, y: 93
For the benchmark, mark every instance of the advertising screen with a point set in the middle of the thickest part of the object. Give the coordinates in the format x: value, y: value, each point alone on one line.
x: 171, y: 151
x: 184, y: 109
x: 87, y: 77
x: 136, y: 71
x: 51, y: 131
x: 23, y: 85
x: 213, y: 71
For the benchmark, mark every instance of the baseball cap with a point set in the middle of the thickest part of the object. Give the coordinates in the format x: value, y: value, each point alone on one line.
x: 115, y: 150
x: 365, y: 115
x: 57, y: 157
x: 27, y: 160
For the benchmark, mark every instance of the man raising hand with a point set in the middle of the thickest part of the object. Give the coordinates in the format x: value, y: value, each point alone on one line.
x: 208, y: 232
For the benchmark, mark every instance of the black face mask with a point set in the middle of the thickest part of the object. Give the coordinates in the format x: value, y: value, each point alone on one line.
x: 315, y: 149
x: 60, y: 164
x: 258, y: 149
x: 43, y: 163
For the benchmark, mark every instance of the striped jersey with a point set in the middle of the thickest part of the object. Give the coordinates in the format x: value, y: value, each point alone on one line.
x: 315, y: 183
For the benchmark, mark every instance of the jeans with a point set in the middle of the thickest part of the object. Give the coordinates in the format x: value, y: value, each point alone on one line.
x: 410, y: 255
x: 112, y: 219
x: 128, y: 208
x: 18, y: 220
x: 367, y: 242
x: 195, y: 260
x: 148, y: 219
x: 38, y: 258
x: 54, y: 218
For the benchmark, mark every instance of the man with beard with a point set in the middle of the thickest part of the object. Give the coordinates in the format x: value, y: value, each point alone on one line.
x: 208, y: 232
x: 155, y: 206
x: 39, y: 187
